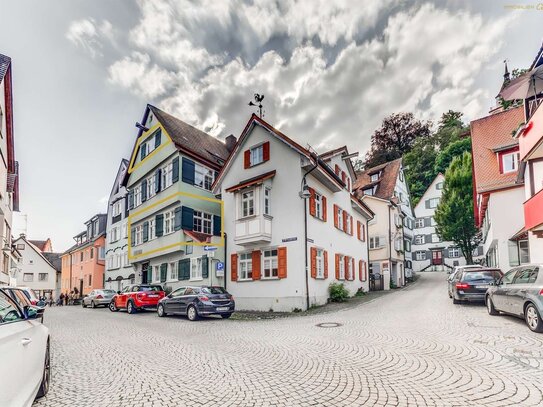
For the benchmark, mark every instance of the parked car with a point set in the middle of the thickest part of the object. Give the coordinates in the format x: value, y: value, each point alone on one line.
x: 19, y: 296
x: 137, y: 297
x: 195, y: 302
x: 31, y: 295
x: 470, y: 284
x: 97, y: 298
x: 519, y: 293
x: 24, y: 354
x: 452, y: 272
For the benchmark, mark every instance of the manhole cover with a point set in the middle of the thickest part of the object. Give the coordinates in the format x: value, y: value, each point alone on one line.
x: 328, y: 325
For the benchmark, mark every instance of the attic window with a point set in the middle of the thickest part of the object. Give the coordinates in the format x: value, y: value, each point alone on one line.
x: 375, y: 177
x: 368, y: 191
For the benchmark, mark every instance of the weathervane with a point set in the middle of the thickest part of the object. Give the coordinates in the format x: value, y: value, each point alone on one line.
x: 258, y: 99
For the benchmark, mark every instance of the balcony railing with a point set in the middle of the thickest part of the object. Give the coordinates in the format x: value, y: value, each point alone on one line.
x: 533, y: 211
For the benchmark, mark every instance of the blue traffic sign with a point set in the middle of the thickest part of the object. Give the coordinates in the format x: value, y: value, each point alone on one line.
x: 220, y: 266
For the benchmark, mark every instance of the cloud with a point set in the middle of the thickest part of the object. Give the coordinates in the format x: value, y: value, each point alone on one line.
x: 330, y: 71
x: 88, y: 34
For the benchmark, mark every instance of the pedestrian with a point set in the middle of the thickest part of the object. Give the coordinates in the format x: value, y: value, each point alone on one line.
x: 61, y: 299
x: 66, y: 298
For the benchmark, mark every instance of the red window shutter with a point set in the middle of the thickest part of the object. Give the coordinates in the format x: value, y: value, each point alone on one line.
x: 325, y: 264
x: 337, y: 266
x: 247, y: 159
x: 363, y: 232
x: 312, y: 209
x: 344, y: 221
x: 349, y: 184
x: 256, y: 264
x: 344, y: 177
x: 324, y: 209
x: 358, y: 224
x: 353, y: 269
x: 336, y: 220
x: 337, y: 170
x: 360, y: 270
x: 346, y: 267
x: 313, y: 262
x: 266, y: 151
x: 282, y: 262
x: 351, y: 232
x: 234, y: 267
x: 365, y: 270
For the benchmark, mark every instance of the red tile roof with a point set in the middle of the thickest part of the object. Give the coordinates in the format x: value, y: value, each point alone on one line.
x: 40, y: 244
x: 386, y: 182
x: 488, y: 135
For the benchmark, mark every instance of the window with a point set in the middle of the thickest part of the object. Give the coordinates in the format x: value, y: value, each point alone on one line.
x: 202, y: 222
x: 439, y: 185
x: 203, y: 177
x: 20, y: 246
x: 257, y: 155
x: 137, y: 196
x: 138, y: 235
x: 350, y: 275
x: 189, y: 247
x: 319, y: 213
x: 117, y: 208
x: 375, y: 177
x: 341, y: 267
x: 524, y: 251
x: 348, y: 226
x: 435, y: 238
x: 126, y: 261
x: 151, y: 186
x: 419, y: 239
x: 398, y: 244
x: 267, y: 201
x: 377, y: 242
x: 125, y: 230
x: 173, y: 270
x: 419, y: 223
x: 90, y: 280
x: 340, y: 218
x: 510, y: 162
x: 101, y: 253
x: 368, y: 191
x: 167, y: 175
x: 92, y: 253
x: 420, y: 255
x: 407, y: 245
x: 42, y: 276
x: 245, y: 266
x: 28, y: 277
x: 401, y: 176
x: 81, y: 254
x: 196, y: 268
x: 152, y: 229
x: 156, y: 273
x: 433, y: 202
x: 8, y: 310
x: 169, y: 218
x: 270, y: 263
x: 454, y: 252
x: 320, y: 263
x: 247, y: 204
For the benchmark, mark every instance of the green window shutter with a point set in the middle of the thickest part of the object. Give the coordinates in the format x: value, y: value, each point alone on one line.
x: 132, y: 236
x: 144, y: 190
x: 145, y: 231
x: 184, y: 269
x: 216, y: 225
x: 175, y: 169
x: 163, y: 272
x: 187, y: 173
x: 187, y: 218
x: 177, y: 221
x: 142, y: 152
x: 158, y: 136
x: 159, y: 225
x: 157, y: 180
x: 205, y: 267
x: 131, y: 199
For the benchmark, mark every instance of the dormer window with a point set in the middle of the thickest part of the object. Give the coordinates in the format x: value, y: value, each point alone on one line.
x: 368, y: 191
x: 375, y: 177
x: 257, y: 155
x: 509, y: 162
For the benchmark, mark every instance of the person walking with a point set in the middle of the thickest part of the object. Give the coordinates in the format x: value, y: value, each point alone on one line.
x: 66, y: 298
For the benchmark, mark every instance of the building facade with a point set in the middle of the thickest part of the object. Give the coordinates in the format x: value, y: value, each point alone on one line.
x: 9, y: 171
x: 83, y: 264
x: 293, y: 226
x: 384, y: 189
x: 119, y: 272
x: 38, y: 269
x: 175, y: 221
x: 429, y: 252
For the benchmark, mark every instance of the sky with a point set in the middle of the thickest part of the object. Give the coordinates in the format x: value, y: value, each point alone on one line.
x: 84, y: 70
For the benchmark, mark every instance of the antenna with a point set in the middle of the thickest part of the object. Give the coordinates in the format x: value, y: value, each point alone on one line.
x: 258, y: 99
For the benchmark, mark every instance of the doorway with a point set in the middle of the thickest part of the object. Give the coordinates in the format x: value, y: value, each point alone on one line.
x: 437, y: 257
x: 144, y: 272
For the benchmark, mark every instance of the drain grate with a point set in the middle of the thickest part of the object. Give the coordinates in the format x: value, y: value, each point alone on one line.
x: 328, y: 325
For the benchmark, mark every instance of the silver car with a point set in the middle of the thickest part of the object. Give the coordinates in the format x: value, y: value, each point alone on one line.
x: 98, y: 298
x: 520, y: 293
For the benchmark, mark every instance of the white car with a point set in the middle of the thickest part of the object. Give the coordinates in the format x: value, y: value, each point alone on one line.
x: 24, y: 354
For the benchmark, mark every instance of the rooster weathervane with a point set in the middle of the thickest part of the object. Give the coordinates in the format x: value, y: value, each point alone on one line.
x: 258, y: 99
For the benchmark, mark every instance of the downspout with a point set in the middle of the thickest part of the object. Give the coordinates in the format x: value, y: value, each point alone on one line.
x: 225, y: 256
x: 389, y: 246
x: 305, y: 233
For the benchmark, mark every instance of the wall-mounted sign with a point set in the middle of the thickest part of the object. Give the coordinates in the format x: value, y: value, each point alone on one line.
x: 219, y: 269
x: 310, y: 240
x: 289, y: 239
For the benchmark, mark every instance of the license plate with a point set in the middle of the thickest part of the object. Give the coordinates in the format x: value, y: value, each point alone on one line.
x: 152, y: 295
x: 482, y: 286
x: 222, y: 308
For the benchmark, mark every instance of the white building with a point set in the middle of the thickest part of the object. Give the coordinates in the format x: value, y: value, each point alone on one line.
x: 37, y: 269
x: 284, y: 249
x: 119, y: 272
x: 429, y: 252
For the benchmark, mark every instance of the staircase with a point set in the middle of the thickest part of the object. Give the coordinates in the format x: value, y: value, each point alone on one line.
x: 437, y: 267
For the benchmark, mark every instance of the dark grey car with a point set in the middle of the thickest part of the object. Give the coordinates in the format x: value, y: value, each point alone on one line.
x: 471, y: 284
x: 519, y: 293
x: 195, y: 302
x: 98, y: 298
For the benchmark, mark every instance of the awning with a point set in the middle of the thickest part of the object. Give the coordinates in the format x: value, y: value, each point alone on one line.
x: 251, y: 181
x: 522, y: 234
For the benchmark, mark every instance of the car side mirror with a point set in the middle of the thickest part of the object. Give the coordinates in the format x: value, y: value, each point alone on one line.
x: 118, y: 292
x: 31, y: 312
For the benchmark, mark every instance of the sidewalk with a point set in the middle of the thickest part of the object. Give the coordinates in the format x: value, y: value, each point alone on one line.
x: 321, y: 309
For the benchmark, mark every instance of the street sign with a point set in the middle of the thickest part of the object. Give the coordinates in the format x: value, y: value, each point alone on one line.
x: 220, y: 265
x: 210, y: 248
x: 219, y: 269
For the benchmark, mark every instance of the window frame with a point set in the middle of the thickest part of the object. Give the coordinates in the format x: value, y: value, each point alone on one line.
x: 204, y: 218
x: 203, y: 174
x: 270, y: 261
x: 198, y: 276
x: 245, y: 259
x: 250, y: 203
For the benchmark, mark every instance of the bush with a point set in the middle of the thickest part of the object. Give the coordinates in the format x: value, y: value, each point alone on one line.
x: 338, y: 292
x: 360, y: 292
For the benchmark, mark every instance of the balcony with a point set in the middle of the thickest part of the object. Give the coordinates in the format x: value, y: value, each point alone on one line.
x: 531, y: 138
x: 533, y: 212
x: 253, y: 230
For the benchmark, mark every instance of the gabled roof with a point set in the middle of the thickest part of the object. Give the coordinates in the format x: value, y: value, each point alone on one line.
x: 343, y: 151
x: 5, y: 62
x: 386, y: 183
x: 119, y: 178
x: 431, y: 186
x: 54, y: 259
x: 191, y: 140
x: 40, y: 244
x: 538, y: 59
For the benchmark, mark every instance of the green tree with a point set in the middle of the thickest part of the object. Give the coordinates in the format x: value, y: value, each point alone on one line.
x: 454, y: 214
x: 445, y: 157
x: 419, y: 167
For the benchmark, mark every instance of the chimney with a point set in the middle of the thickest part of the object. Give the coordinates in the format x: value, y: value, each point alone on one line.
x: 230, y: 142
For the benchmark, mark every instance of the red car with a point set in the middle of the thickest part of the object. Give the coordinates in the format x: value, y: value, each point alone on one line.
x: 136, y: 298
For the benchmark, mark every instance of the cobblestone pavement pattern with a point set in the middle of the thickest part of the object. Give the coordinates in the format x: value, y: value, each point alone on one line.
x: 413, y: 347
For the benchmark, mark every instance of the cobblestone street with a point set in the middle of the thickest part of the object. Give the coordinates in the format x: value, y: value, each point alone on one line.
x: 412, y: 347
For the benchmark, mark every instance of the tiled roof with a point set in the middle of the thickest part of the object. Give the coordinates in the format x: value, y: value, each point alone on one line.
x: 54, y: 259
x: 40, y: 244
x: 5, y: 61
x: 387, y: 180
x: 189, y: 138
x: 488, y: 135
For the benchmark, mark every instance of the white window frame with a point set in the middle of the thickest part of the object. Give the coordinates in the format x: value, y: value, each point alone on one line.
x: 250, y: 203
x: 341, y: 267
x: 439, y: 186
x: 151, y: 186
x: 257, y: 154
x: 454, y: 252
x: 169, y: 221
x: 167, y: 176
x: 419, y: 239
x: 267, y: 201
x: 319, y: 213
x: 156, y: 273
x: 125, y: 230
x: 152, y: 229
x: 245, y: 267
x: 45, y: 275
x: 376, y: 242
x: 434, y: 202
x: 117, y: 208
x: 138, y: 235
x: 340, y: 218
x: 513, y: 164
x: 348, y: 226
x: 374, y: 177
x: 319, y: 260
x: 435, y: 238
x: 137, y: 196
x: 350, y: 270
x: 196, y: 269
x: 269, y: 260
x: 28, y: 277
x: 172, y: 270
x: 419, y: 223
x: 126, y: 261
x: 203, y: 177
x: 420, y: 255
x: 203, y: 222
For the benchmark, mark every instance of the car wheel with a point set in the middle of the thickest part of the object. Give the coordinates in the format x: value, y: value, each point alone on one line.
x: 83, y: 304
x: 112, y: 307
x: 226, y: 316
x: 455, y: 301
x: 192, y: 314
x: 130, y: 308
x: 160, y: 311
x: 93, y: 305
x: 46, y: 377
x: 490, y: 306
x: 533, y: 319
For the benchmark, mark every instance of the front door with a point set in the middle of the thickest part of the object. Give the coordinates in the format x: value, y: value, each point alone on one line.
x: 437, y: 257
x: 144, y: 272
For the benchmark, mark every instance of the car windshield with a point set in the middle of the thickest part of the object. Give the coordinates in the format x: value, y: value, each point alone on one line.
x: 480, y: 275
x: 108, y: 292
x: 150, y: 288
x: 213, y: 290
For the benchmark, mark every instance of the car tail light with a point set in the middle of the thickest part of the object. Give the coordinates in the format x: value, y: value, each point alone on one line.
x: 203, y: 298
x: 99, y: 297
x: 33, y: 302
x: 462, y: 286
x: 541, y: 292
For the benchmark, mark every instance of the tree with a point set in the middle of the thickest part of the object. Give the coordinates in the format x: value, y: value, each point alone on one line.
x: 445, y: 157
x: 419, y: 167
x: 454, y: 214
x: 451, y: 119
x: 358, y: 165
x: 395, y: 137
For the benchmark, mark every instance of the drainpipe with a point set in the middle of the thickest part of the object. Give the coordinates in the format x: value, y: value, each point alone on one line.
x: 389, y: 246
x: 304, y: 184
x: 225, y: 256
